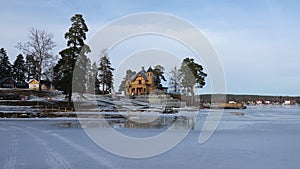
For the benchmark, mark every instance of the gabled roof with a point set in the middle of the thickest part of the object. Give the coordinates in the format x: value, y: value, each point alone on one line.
x: 6, y: 78
x: 150, y: 69
x: 142, y: 72
x: 33, y: 80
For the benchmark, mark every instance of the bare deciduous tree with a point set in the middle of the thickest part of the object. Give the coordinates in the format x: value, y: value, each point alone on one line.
x: 175, y: 80
x: 39, y: 46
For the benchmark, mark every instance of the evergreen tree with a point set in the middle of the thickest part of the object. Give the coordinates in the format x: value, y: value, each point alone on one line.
x: 80, y: 74
x: 129, y: 74
x: 158, y: 71
x: 175, y: 80
x: 5, y: 66
x: 38, y: 47
x: 76, y: 52
x: 192, y: 75
x: 31, y: 69
x: 91, y: 77
x: 48, y: 66
x: 105, y: 75
x: 19, y: 69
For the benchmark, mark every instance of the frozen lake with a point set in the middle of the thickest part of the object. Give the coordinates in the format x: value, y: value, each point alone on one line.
x: 263, y: 137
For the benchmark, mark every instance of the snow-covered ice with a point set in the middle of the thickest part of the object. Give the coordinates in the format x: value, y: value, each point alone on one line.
x: 264, y: 137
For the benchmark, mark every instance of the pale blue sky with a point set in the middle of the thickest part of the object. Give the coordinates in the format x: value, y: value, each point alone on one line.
x: 257, y: 41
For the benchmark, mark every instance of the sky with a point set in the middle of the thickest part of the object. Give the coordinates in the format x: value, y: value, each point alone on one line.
x: 257, y: 41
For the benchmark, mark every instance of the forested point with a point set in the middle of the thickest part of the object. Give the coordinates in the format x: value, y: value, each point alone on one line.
x: 36, y: 67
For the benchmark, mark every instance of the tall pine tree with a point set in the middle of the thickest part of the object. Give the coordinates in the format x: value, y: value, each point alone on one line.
x: 193, y: 76
x: 19, y: 69
x: 76, y: 51
x: 105, y: 75
x: 5, y: 66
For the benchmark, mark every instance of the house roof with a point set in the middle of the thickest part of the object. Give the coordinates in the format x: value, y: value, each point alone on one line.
x: 150, y: 69
x: 6, y: 78
x: 33, y: 81
x: 142, y: 72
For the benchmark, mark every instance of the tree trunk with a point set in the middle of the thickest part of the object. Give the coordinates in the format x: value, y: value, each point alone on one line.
x: 40, y: 85
x: 102, y: 89
x: 193, y: 95
x: 69, y: 99
x: 39, y: 77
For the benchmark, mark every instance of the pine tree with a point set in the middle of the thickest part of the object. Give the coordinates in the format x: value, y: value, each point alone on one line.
x: 5, y: 65
x: 192, y: 75
x: 73, y: 59
x: 175, y: 80
x: 91, y: 77
x: 48, y: 66
x: 129, y: 74
x: 159, y: 73
x: 19, y: 69
x: 31, y: 69
x: 105, y: 75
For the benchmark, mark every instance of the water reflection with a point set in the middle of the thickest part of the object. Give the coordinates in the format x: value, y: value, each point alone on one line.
x: 177, y: 122
x: 231, y: 119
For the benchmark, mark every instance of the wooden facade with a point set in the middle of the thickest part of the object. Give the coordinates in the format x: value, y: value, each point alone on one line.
x: 142, y: 83
x: 33, y: 84
x: 45, y: 85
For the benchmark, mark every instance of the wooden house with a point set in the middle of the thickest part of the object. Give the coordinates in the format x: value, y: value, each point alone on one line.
x: 45, y: 84
x: 7, y: 82
x: 33, y: 84
x: 143, y: 82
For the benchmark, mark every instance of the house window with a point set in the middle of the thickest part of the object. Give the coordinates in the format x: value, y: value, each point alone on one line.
x: 140, y: 81
x: 144, y: 90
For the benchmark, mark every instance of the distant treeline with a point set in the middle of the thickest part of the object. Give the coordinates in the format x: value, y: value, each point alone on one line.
x: 206, y: 98
x: 221, y: 98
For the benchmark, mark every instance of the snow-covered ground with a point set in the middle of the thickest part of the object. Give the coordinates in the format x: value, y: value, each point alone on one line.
x: 264, y: 137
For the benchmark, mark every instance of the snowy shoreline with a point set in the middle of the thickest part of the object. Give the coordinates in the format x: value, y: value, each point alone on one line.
x: 262, y: 138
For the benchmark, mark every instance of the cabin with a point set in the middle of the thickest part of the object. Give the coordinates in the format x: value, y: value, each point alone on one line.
x: 142, y: 83
x: 7, y: 82
x: 33, y: 84
x: 45, y: 84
